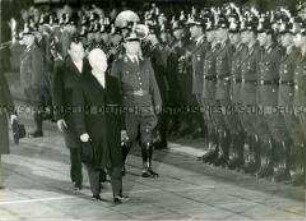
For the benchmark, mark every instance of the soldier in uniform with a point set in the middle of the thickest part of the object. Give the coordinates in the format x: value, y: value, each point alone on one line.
x: 32, y: 75
x: 267, y: 98
x: 249, y: 71
x: 299, y: 104
x: 285, y: 101
x: 177, y: 80
x: 237, y: 131
x: 141, y: 99
x: 208, y: 93
x: 222, y: 94
x: 196, y: 52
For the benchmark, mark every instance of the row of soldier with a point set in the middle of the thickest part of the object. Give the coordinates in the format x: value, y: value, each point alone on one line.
x: 228, y: 68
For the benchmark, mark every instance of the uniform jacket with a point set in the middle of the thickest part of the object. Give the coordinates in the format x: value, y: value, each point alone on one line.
x: 32, y: 70
x: 134, y: 77
x: 197, y: 59
x: 99, y: 115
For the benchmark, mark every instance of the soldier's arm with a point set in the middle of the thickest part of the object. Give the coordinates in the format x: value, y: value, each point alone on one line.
x: 37, y: 68
x: 153, y: 86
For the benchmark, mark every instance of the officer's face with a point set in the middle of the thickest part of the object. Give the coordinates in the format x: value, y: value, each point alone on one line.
x: 286, y: 40
x: 210, y: 36
x: 195, y: 31
x: 234, y: 38
x: 76, y: 51
x: 28, y: 40
x: 178, y: 33
x: 221, y: 34
x: 298, y: 40
x: 244, y: 37
x: 132, y: 47
x: 262, y: 39
x: 98, y: 62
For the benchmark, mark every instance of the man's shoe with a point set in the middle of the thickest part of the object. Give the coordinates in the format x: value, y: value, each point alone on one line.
x: 282, y: 175
x: 298, y: 180
x: 251, y: 167
x: 266, y: 171
x: 36, y: 134
x: 145, y: 173
x: 96, y: 198
x: 221, y: 161
x: 210, y: 156
x: 77, y: 187
x: 235, y: 163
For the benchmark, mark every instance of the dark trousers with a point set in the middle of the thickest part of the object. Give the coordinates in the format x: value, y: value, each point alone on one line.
x: 94, y: 179
x: 74, y: 145
x: 76, y: 166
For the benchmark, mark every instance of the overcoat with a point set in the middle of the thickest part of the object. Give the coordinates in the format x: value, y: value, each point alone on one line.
x: 99, y: 114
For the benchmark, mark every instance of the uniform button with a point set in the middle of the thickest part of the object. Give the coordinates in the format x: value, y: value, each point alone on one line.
x: 140, y: 83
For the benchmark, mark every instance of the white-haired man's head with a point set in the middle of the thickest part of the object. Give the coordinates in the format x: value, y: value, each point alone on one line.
x: 98, y: 60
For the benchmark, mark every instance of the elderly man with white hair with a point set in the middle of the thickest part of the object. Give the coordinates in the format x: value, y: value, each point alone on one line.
x: 100, y: 123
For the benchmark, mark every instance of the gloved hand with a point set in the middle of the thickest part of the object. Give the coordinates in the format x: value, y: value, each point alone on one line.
x: 84, y: 138
x: 61, y: 125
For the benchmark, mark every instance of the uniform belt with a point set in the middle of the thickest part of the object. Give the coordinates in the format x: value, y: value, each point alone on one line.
x: 139, y: 93
x: 225, y: 78
x: 290, y: 83
x: 210, y: 78
x: 237, y: 80
x: 263, y: 82
x: 248, y: 81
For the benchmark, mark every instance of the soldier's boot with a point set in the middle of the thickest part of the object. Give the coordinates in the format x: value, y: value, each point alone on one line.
x: 222, y: 159
x: 254, y: 164
x: 150, y: 169
x: 38, y: 121
x: 125, y: 149
x: 267, y: 169
x: 299, y: 178
x: 213, y: 149
x: 238, y: 160
x: 145, y: 160
x: 283, y: 173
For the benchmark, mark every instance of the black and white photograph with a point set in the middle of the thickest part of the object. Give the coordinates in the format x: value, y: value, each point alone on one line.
x: 152, y: 110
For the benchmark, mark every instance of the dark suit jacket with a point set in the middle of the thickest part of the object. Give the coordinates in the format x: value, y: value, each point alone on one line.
x: 66, y: 79
x: 99, y: 115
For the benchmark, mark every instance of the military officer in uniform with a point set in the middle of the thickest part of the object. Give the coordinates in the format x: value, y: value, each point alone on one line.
x: 196, y: 52
x: 290, y: 123
x: 32, y: 76
x: 267, y: 98
x: 208, y: 93
x: 249, y: 72
x: 222, y: 94
x: 299, y: 103
x: 141, y: 99
x: 237, y: 131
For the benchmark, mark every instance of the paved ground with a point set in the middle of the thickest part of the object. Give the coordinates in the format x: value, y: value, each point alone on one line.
x: 38, y: 188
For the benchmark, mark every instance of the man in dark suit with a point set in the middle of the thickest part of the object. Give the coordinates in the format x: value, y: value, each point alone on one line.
x: 142, y: 99
x: 66, y: 78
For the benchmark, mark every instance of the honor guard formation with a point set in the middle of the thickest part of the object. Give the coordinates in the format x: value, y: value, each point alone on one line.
x: 235, y: 76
